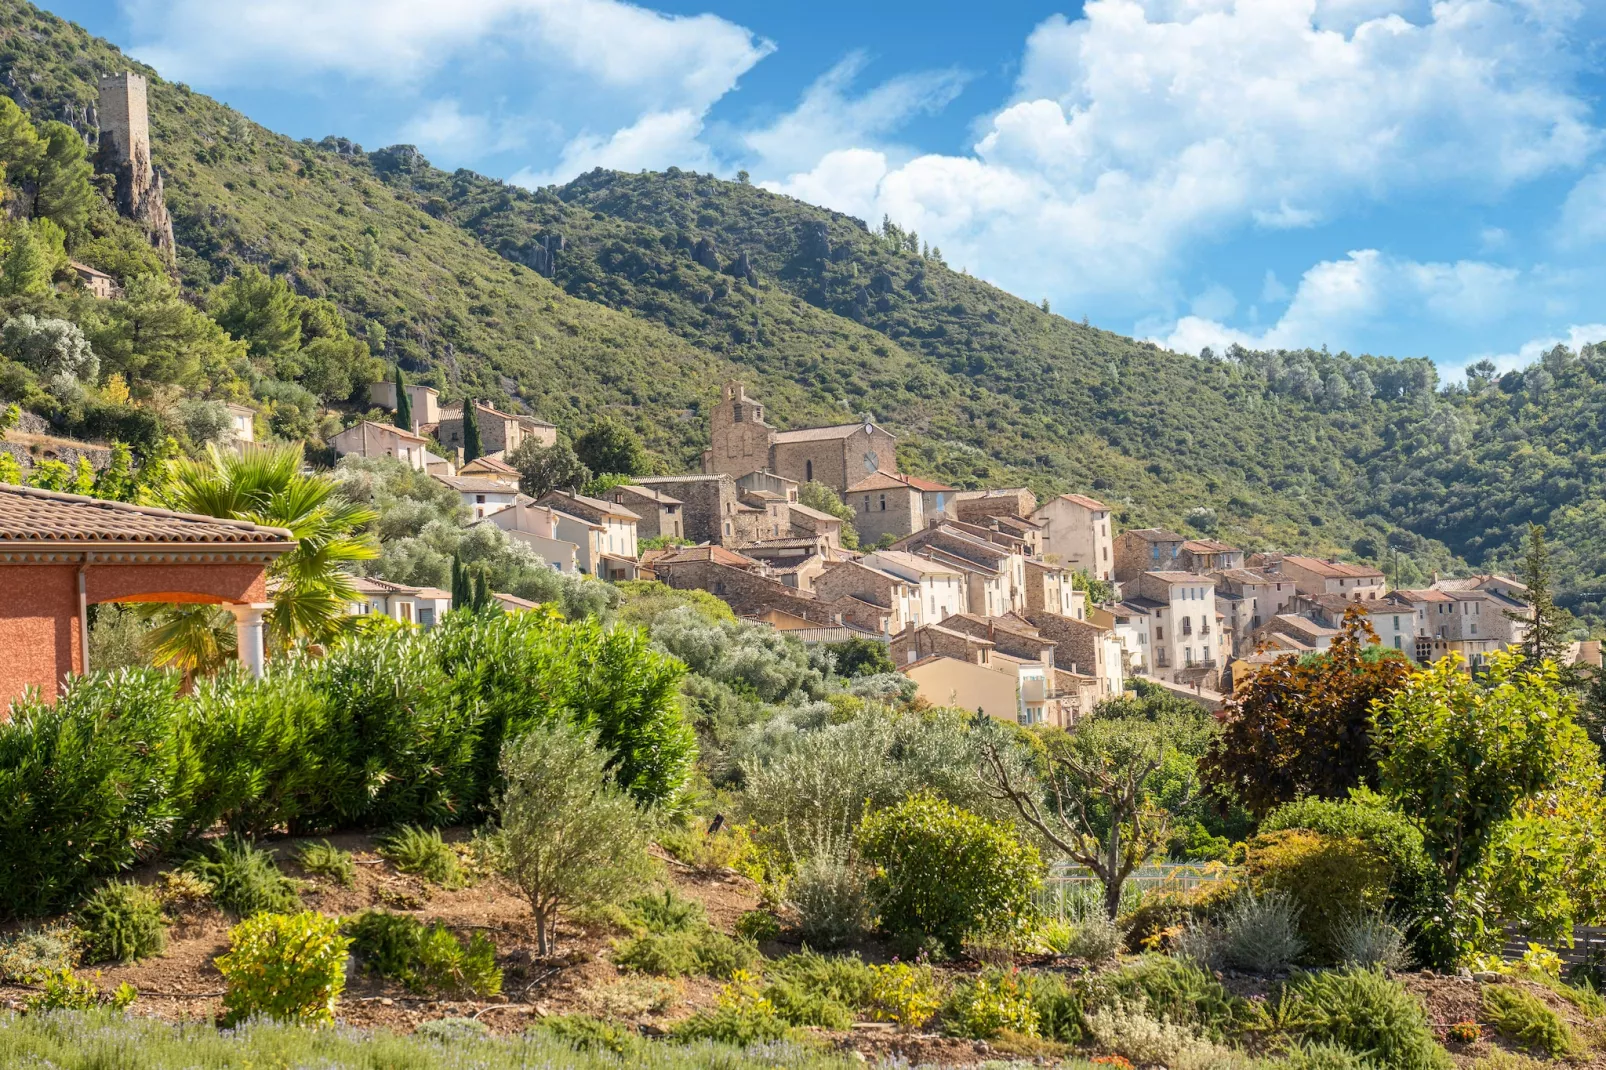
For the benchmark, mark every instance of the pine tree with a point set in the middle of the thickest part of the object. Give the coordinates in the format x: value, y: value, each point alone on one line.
x: 1548, y: 624
x: 471, y: 431
x: 404, y: 404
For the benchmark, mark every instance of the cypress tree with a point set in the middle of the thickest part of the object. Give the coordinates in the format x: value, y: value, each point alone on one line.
x: 471, y: 431
x: 482, y: 591
x: 462, y: 591
x: 404, y: 404
x: 1548, y: 623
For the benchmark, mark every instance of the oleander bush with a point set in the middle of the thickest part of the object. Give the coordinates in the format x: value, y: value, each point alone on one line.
x: 121, y: 922
x: 287, y: 967
x: 424, y: 958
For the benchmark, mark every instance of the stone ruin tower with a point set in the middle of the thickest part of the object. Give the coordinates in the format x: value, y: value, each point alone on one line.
x: 125, y: 152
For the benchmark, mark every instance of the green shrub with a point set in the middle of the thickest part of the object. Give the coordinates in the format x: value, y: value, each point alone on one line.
x: 122, y: 922
x: 424, y: 958
x: 905, y: 995
x: 1365, y: 1012
x: 452, y: 1031
x: 668, y: 912
x: 91, y: 784
x: 1525, y: 1020
x: 63, y: 990
x: 944, y: 872
x: 585, y: 1033
x: 1096, y: 940
x: 30, y: 954
x: 727, y: 849
x: 1261, y: 932
x: 1324, y: 1057
x: 1416, y: 887
x: 992, y: 1002
x: 685, y: 954
x: 324, y: 859
x: 758, y: 926
x: 847, y: 979
x: 288, y: 967
x: 1058, y: 1006
x: 1332, y: 878
x: 1175, y: 991
x: 1160, y: 915
x: 798, y: 1004
x: 742, y: 1016
x: 828, y: 893
x: 244, y: 879
x: 1371, y: 939
x: 423, y: 853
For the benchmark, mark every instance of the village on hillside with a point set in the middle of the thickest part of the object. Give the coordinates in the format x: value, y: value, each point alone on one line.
x: 987, y: 598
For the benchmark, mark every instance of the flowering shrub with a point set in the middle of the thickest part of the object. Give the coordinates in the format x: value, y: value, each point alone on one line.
x: 288, y: 967
x: 1466, y: 1032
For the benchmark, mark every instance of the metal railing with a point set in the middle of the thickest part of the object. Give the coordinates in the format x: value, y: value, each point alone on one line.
x: 1071, y: 891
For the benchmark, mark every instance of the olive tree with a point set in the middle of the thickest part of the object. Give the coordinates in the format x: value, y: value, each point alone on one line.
x: 569, y: 837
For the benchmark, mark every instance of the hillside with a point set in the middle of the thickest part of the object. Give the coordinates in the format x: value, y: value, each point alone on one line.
x: 665, y: 284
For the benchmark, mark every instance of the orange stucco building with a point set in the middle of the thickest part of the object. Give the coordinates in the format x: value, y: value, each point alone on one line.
x: 61, y: 553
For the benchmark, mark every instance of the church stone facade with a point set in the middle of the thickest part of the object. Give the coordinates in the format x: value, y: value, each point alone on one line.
x: 838, y: 456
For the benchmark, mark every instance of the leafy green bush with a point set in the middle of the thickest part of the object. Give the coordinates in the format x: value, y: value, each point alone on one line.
x: 742, y: 1016
x: 288, y: 967
x: 585, y: 1033
x: 1524, y: 1019
x: 422, y: 852
x: 90, y: 785
x: 847, y: 979
x: 685, y: 954
x: 798, y: 1004
x: 326, y: 860
x: 1058, y: 1006
x: 757, y: 926
x: 63, y: 990
x: 668, y: 912
x: 905, y: 995
x: 424, y: 958
x: 1368, y: 1014
x: 244, y: 879
x: 30, y: 954
x: 1324, y: 1057
x: 944, y: 872
x: 1175, y: 991
x: 993, y: 1002
x: 1332, y: 878
x: 122, y: 922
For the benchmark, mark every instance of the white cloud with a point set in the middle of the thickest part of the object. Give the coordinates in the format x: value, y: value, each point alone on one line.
x: 1575, y: 338
x: 683, y: 60
x: 656, y: 140
x: 1337, y: 299
x: 443, y: 125
x: 829, y: 117
x: 1148, y: 127
x: 1583, y: 214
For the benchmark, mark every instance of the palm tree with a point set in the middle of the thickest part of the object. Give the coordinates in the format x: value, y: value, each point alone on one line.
x: 307, y: 586
x: 198, y: 640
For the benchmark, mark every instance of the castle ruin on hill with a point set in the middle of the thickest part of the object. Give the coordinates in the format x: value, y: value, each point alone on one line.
x: 125, y: 152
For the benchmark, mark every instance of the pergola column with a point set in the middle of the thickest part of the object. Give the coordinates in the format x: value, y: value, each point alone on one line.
x: 248, y: 631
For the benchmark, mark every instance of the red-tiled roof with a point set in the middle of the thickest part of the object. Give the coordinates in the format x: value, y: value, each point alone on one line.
x: 1085, y: 502
x: 1334, y: 569
x: 35, y: 516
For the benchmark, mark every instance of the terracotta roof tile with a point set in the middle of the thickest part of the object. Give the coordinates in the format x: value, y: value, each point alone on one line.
x: 28, y: 515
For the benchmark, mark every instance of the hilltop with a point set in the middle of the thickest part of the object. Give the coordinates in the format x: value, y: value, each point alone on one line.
x: 637, y: 294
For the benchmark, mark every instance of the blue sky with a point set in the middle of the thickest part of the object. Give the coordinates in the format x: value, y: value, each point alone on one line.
x: 1388, y: 176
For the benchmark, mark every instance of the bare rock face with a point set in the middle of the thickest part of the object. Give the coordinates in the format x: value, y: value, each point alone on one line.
x: 125, y: 153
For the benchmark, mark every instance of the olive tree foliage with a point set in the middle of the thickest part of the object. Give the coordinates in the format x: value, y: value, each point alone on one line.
x: 421, y: 526
x: 761, y: 660
x: 569, y: 839
x: 1095, y: 800
x: 55, y: 349
x: 809, y: 785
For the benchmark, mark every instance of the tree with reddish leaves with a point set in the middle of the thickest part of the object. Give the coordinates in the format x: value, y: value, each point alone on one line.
x: 1302, y: 726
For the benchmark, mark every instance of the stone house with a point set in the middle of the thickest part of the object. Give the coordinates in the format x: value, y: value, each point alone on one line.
x: 491, y: 468
x: 996, y: 574
x: 242, y: 422
x: 929, y: 640
x: 423, y: 606
x: 742, y: 442
x: 1010, y: 635
x: 1185, y: 639
x: 536, y: 526
x: 1208, y: 555
x: 1052, y: 589
x: 1472, y: 622
x: 616, y: 545
x: 1249, y: 597
x: 481, y: 496
x: 883, y: 505
x: 709, y: 504
x: 1313, y: 576
x: 101, y: 286
x: 424, y: 401
x: 500, y: 432
x: 1083, y: 647
x: 660, y: 514
x: 971, y: 505
x: 369, y: 439
x: 1140, y: 550
x: 941, y: 587
x: 852, y: 579
x: 807, y: 522
x: 1076, y: 532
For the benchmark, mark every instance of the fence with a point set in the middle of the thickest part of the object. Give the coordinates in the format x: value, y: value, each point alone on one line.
x: 1071, y: 892
x: 1589, y: 942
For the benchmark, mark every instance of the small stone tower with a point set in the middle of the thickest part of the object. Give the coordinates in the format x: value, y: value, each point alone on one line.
x: 125, y: 152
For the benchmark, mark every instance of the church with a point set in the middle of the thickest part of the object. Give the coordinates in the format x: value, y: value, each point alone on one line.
x: 838, y: 456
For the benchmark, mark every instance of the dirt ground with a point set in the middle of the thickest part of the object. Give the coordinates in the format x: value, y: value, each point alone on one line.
x: 183, y: 983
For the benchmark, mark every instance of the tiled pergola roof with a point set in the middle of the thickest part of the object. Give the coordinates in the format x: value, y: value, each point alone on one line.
x: 31, y: 517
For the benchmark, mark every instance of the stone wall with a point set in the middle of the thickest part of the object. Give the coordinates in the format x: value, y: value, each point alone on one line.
x: 739, y: 438
x: 1017, y: 501
x: 1077, y: 643
x: 710, y: 503
x: 885, y: 512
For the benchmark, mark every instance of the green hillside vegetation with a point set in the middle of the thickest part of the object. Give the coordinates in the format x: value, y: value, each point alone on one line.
x: 665, y: 284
